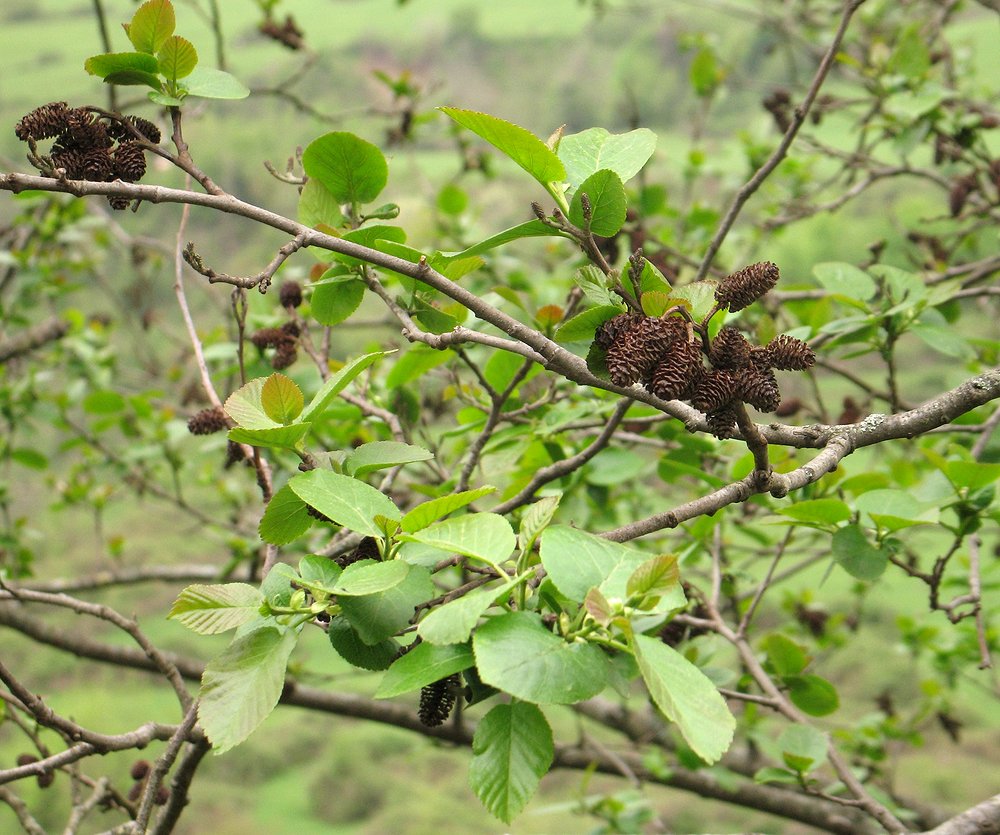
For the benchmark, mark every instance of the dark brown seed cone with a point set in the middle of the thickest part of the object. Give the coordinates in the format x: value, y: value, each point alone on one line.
x: 135, y: 792
x: 677, y: 374
x: 316, y: 514
x: 639, y: 348
x: 744, y: 287
x: 69, y: 160
x: 715, y: 390
x: 609, y: 332
x: 291, y: 329
x: 789, y: 407
x: 267, y: 337
x: 234, y: 454
x: 118, y: 202
x: 758, y: 387
x: 437, y: 700
x: 139, y: 770
x: 285, y: 356
x: 162, y: 796
x: 43, y: 122
x: 130, y: 162
x: 208, y: 421
x: 730, y: 349
x: 961, y: 188
x: 673, y: 633
x: 26, y: 759
x: 145, y: 127
x: 97, y: 165
x: 721, y: 422
x: 786, y: 353
x: 83, y: 133
x: 290, y: 294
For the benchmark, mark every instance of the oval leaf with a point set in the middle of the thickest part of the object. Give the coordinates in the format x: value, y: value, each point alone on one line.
x: 111, y: 63
x: 486, y: 536
x: 380, y: 455
x: 422, y: 665
x: 512, y: 750
x: 522, y: 146
x: 281, y: 399
x: 210, y: 83
x: 152, y: 23
x: 591, y: 150
x: 177, y: 58
x: 285, y: 519
x: 687, y: 697
x: 856, y: 555
x: 430, y: 511
x: 353, y: 170
x: 345, y: 500
x: 211, y: 609
x: 518, y: 655
x: 607, y: 201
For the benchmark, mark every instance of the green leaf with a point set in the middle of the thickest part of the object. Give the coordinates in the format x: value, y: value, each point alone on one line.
x: 369, y: 577
x: 518, y: 655
x: 210, y: 83
x: 583, y: 326
x: 30, y: 458
x: 485, y: 536
x: 911, y: 56
x: 453, y: 622
x: 348, y: 644
x: 278, y: 437
x: 577, y: 561
x: 380, y: 455
x: 856, y: 555
x: 522, y: 146
x: 770, y: 774
x: 529, y: 229
x: 705, y: 73
x: 787, y: 658
x: 345, y: 500
x: 353, y: 170
x: 423, y: 665
x: 104, y: 403
x: 894, y: 510
x: 246, y: 406
x: 333, y: 302
x: 281, y: 398
x: 241, y: 687
x: 653, y: 579
x: 380, y: 237
x: 320, y: 570
x: 152, y: 23
x: 336, y: 384
x: 380, y: 616
x: 971, y: 475
x: 818, y: 511
x: 686, y: 696
x: 177, y: 58
x: 154, y: 95
x: 812, y: 694
x: 698, y: 297
x: 589, y: 151
x: 277, y: 585
x: 211, y: 609
x: 845, y: 280
x: 285, y: 518
x: 111, y: 63
x: 512, y: 750
x: 597, y: 288
x: 535, y: 520
x: 944, y: 339
x: 803, y: 748
x: 607, y: 200
x: 430, y: 511
x: 318, y: 206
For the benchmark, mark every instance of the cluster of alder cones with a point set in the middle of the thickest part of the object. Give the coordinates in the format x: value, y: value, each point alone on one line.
x: 666, y: 355
x: 99, y: 148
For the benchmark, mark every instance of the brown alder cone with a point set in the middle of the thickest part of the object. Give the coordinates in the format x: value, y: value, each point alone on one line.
x: 743, y: 287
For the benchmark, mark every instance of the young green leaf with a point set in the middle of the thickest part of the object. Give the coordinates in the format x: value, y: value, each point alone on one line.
x: 844, y: 279
x: 512, y: 750
x: 109, y: 64
x: 820, y: 512
x: 241, y: 687
x: 210, y: 83
x: 529, y: 229
x: 652, y: 580
x: 803, y: 748
x: 278, y: 437
x: 348, y: 644
x: 453, y: 622
x: 607, y: 201
x: 335, y: 302
x: 345, y: 500
x: 322, y: 571
x: 152, y: 24
x: 812, y: 694
x: 177, y: 58
x: 522, y: 146
x: 381, y: 455
x: 786, y: 657
x: 379, y: 616
x: 856, y: 555
x: 422, y: 665
x: 486, y: 536
x: 337, y: 383
x: 535, y: 520
x: 369, y: 577
x: 589, y: 151
x: 576, y: 561
x: 353, y: 170
x: 246, y: 406
x: 281, y: 398
x: 430, y: 511
x: 211, y: 609
x: 686, y: 696
x: 517, y: 654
